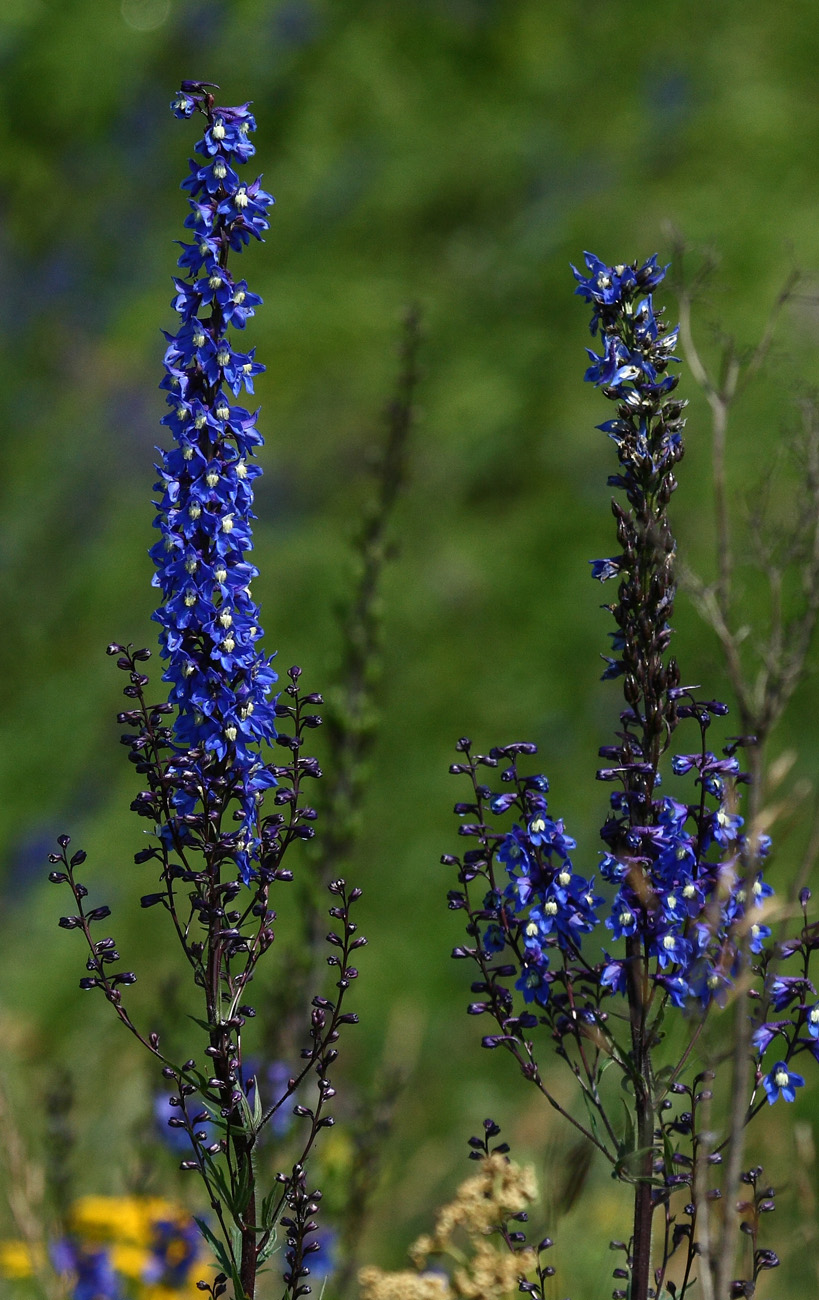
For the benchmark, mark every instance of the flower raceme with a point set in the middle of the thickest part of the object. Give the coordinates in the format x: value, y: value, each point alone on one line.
x: 220, y: 679
x: 219, y: 853
x: 679, y: 885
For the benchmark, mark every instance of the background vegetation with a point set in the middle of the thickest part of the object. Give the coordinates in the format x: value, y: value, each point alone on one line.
x: 460, y: 153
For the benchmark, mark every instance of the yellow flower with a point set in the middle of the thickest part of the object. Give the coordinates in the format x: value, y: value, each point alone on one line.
x: 127, y: 1219
x: 128, y: 1260
x: 15, y: 1259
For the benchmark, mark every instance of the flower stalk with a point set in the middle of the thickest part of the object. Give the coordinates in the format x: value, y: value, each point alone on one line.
x: 202, y: 755
x: 685, y: 902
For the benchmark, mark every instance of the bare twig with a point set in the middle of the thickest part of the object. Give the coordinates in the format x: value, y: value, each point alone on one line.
x: 763, y: 693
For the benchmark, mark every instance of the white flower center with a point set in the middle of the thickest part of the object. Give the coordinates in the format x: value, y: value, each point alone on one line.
x: 219, y: 170
x: 239, y: 296
x: 550, y: 907
x: 194, y: 510
x: 781, y: 1078
x: 240, y: 198
x: 229, y: 644
x: 231, y: 733
x: 227, y: 524
x: 223, y: 356
x: 218, y: 130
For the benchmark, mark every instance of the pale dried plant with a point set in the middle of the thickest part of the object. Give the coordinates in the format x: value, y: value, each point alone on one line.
x: 470, y: 1232
x: 24, y: 1186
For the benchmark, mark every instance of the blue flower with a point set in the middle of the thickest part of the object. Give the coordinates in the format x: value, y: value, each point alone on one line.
x: 602, y: 570
x: 757, y: 934
x: 533, y: 983
x: 94, y: 1275
x: 764, y: 1034
x: 780, y: 1081
x: 785, y: 989
x: 604, y: 284
x: 623, y: 919
x: 219, y: 676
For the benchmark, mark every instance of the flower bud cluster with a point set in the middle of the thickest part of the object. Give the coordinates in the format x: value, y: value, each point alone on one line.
x: 220, y: 679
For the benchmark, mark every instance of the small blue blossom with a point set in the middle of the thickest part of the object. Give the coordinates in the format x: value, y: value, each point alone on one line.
x: 780, y: 1081
x: 764, y: 1034
x: 94, y: 1275
x: 602, y: 570
x: 757, y: 934
x: 533, y: 984
x: 785, y: 989
x: 623, y: 920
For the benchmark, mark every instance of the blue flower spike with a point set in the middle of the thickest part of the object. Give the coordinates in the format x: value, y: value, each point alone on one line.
x: 220, y: 678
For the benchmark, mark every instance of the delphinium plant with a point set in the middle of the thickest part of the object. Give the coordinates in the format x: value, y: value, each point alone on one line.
x: 222, y: 814
x: 674, y: 924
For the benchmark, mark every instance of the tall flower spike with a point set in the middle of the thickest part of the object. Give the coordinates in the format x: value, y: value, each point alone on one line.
x: 219, y: 676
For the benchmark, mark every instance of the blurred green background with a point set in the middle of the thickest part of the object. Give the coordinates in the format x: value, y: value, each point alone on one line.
x: 460, y: 153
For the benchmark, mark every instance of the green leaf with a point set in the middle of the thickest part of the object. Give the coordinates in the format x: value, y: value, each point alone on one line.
x: 203, y: 1024
x: 270, y: 1247
x: 218, y: 1247
x: 217, y: 1176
